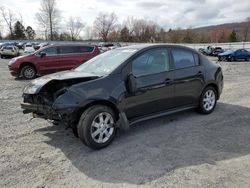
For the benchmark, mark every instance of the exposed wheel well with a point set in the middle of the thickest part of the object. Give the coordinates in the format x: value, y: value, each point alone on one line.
x: 100, y: 102
x: 25, y: 64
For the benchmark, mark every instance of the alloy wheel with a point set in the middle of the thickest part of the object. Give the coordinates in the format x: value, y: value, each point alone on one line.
x: 209, y: 100
x: 29, y: 73
x: 102, y: 127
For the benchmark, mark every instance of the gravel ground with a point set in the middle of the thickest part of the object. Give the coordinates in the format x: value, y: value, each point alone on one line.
x: 181, y: 150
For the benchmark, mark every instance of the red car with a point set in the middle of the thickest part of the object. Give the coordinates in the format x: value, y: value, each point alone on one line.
x: 51, y: 59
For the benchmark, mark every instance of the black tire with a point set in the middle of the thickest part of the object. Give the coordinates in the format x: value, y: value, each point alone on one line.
x: 247, y: 59
x: 28, y: 72
x: 2, y: 56
x: 202, y: 104
x: 85, y: 128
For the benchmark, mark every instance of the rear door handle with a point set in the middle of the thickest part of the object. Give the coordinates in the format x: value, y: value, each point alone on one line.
x: 168, y: 81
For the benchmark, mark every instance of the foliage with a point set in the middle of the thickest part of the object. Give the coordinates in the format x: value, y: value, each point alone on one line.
x: 19, y: 31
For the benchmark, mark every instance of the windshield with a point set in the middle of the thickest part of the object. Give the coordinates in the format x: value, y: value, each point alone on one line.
x: 107, y: 62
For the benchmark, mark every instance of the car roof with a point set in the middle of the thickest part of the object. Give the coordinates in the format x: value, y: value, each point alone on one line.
x: 148, y: 46
x: 56, y: 45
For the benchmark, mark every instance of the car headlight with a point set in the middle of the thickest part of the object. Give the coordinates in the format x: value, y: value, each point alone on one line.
x: 12, y: 61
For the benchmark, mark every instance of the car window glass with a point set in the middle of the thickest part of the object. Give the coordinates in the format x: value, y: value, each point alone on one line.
x: 183, y: 58
x: 8, y: 48
x: 69, y: 50
x: 151, y: 62
x: 50, y: 51
x: 84, y: 49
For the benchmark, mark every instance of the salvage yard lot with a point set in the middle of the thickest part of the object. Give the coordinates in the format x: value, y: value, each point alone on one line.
x: 182, y: 150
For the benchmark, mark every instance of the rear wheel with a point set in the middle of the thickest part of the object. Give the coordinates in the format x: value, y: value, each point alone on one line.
x: 28, y: 72
x: 208, y: 100
x: 247, y: 59
x: 96, y: 127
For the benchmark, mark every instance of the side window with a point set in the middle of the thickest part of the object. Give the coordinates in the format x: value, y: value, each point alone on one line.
x: 50, y: 51
x: 69, y: 50
x: 183, y: 58
x: 84, y: 49
x: 151, y: 62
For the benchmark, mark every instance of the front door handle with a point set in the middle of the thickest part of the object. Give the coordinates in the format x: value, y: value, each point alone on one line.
x: 200, y: 73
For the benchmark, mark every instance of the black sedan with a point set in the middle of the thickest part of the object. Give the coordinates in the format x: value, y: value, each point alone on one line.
x: 125, y: 86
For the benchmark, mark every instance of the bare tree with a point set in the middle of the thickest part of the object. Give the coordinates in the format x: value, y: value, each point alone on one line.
x: 49, y: 16
x: 89, y: 33
x: 75, y: 26
x: 246, y: 29
x: 104, y: 24
x: 9, y: 18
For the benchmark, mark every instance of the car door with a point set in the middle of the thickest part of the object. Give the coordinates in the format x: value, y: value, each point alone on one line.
x: 245, y: 54
x: 48, y: 61
x: 188, y: 77
x: 154, y: 90
x: 69, y: 57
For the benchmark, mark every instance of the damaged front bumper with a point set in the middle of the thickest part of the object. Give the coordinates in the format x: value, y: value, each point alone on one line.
x: 41, y: 111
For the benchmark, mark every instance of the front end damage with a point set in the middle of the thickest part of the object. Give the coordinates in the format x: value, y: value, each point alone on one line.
x: 54, y: 100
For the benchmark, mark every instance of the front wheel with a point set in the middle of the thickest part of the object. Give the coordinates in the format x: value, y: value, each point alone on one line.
x: 28, y: 72
x: 208, y: 100
x: 96, y: 127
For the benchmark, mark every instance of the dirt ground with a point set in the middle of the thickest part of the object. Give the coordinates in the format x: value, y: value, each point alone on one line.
x: 181, y: 150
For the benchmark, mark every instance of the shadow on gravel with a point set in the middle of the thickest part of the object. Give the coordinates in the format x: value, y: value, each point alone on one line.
x: 157, y: 147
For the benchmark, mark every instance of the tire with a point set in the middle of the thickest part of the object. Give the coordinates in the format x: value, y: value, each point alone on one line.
x: 28, y: 72
x: 92, y: 129
x: 229, y: 59
x: 247, y: 59
x: 2, y: 56
x: 208, y: 100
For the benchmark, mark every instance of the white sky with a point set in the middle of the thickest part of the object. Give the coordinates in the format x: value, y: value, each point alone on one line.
x: 167, y: 13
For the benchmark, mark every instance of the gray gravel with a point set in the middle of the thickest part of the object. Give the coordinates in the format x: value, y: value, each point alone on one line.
x: 181, y: 150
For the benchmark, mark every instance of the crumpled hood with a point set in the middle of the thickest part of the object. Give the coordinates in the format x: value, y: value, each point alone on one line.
x: 36, y: 85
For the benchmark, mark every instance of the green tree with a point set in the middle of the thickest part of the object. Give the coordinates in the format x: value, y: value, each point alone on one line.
x: 30, y: 33
x: 233, y: 36
x: 124, y: 35
x: 19, y: 31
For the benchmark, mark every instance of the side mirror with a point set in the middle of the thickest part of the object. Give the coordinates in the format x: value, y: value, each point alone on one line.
x: 42, y: 54
x: 131, y: 83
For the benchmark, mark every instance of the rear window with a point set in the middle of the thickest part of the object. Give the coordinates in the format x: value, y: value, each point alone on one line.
x: 184, y: 58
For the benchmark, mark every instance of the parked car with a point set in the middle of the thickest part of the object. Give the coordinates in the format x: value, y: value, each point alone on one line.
x: 9, y: 51
x: 216, y: 51
x: 8, y: 44
x: 28, y: 49
x: 105, y: 46
x: 21, y: 45
x: 233, y: 55
x: 51, y: 59
x: 41, y: 45
x: 124, y: 86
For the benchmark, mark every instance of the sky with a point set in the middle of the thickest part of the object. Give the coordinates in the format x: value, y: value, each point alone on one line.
x: 167, y: 13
